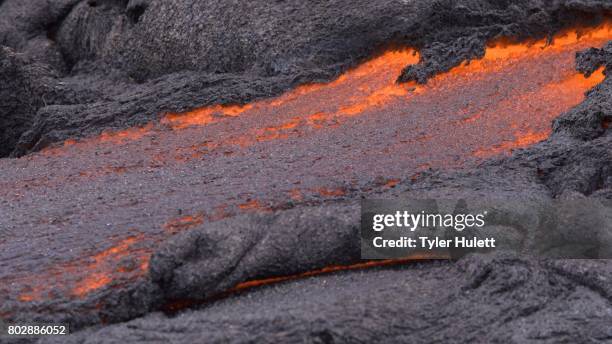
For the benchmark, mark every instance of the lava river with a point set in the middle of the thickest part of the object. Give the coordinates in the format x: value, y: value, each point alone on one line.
x: 83, y: 217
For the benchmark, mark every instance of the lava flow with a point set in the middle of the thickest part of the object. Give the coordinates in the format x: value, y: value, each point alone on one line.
x: 178, y: 305
x: 315, y: 142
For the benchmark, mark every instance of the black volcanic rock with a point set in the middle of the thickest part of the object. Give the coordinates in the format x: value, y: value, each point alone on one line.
x: 21, y: 94
x: 589, y: 60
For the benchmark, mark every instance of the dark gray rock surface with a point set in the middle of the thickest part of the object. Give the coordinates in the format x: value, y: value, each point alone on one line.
x: 22, y: 93
x: 491, y: 299
x: 85, y: 66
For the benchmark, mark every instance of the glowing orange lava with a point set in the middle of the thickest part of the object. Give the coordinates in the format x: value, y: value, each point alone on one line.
x: 391, y: 183
x: 182, y: 223
x: 335, y: 192
x: 337, y: 132
x: 88, y: 274
x: 101, y: 268
x: 122, y: 136
x: 559, y: 95
x: 204, y: 115
x: 178, y: 305
x: 503, y: 50
x: 253, y: 205
x: 371, y: 87
x: 368, y: 92
x: 335, y: 268
x: 367, y: 95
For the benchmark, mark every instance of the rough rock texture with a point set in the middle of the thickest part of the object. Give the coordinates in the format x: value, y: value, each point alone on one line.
x: 158, y: 59
x: 592, y: 118
x: 483, y: 299
x: 113, y: 64
x: 21, y: 94
x: 486, y: 298
x: 579, y: 156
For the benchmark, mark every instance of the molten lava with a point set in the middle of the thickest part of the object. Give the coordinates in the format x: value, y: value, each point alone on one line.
x: 316, y: 141
x: 183, y: 223
x: 178, y: 305
x: 350, y: 94
x: 371, y: 87
x: 89, y: 273
x: 330, y: 269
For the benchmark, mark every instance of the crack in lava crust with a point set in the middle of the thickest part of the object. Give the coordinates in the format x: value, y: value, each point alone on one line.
x: 316, y: 142
x: 178, y: 305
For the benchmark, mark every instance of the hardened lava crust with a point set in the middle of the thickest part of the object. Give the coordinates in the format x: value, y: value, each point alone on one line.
x: 178, y: 171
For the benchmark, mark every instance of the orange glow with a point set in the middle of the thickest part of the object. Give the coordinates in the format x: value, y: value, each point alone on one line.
x: 115, y: 137
x: 357, y: 91
x: 375, y: 99
x: 118, y: 264
x: 101, y: 269
x: 336, y: 268
x: 130, y: 134
x: 299, y: 91
x: 177, y: 305
x: 530, y: 83
x: 70, y: 142
x: 352, y: 91
x: 27, y: 297
x: 93, y: 281
x: 204, y: 115
x: 369, y: 86
x: 561, y: 95
x: 296, y: 195
x: 521, y: 141
x: 502, y: 50
x: 182, y: 223
x: 320, y: 119
x: 372, y: 85
x: 253, y: 205
x: 529, y: 139
x: 391, y: 183
x: 276, y: 132
x: 336, y: 192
